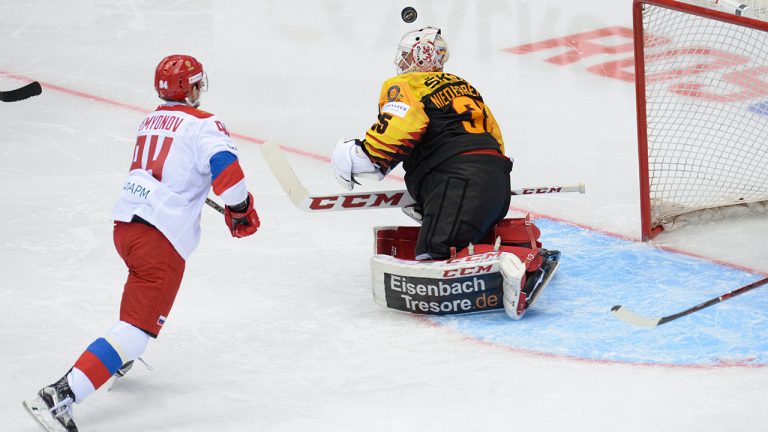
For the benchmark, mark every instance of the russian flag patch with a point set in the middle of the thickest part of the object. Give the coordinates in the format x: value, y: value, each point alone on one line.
x: 161, y: 320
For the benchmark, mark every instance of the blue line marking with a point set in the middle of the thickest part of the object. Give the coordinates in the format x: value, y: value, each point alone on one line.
x: 572, y: 317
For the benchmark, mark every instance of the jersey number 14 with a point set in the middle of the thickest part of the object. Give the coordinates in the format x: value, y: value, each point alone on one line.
x: 154, y: 159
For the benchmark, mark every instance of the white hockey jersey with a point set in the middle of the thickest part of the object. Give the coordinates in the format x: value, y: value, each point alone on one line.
x: 180, y: 153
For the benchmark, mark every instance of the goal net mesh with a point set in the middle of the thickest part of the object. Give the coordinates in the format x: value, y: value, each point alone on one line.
x: 706, y: 113
x: 750, y: 8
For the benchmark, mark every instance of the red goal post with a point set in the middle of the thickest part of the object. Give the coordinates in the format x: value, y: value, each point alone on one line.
x: 702, y: 109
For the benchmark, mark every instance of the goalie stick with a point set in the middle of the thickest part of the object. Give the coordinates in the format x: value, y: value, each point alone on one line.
x: 301, y: 198
x: 21, y: 93
x: 638, y: 320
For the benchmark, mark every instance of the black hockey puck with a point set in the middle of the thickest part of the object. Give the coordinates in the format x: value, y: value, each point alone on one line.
x: 408, y: 14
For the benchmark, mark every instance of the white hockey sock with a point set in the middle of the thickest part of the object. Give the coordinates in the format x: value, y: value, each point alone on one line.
x: 104, y: 356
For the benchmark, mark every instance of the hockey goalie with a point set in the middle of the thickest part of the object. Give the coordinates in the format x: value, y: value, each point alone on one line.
x: 465, y: 257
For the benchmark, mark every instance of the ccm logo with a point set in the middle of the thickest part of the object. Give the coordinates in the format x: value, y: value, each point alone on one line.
x: 467, y: 271
x: 541, y: 190
x: 356, y: 201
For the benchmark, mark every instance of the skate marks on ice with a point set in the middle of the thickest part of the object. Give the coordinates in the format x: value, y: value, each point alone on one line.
x: 573, y: 319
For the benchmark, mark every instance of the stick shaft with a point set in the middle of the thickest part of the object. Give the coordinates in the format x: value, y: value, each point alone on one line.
x: 302, y: 199
x: 714, y: 301
x: 214, y: 205
x: 635, y: 319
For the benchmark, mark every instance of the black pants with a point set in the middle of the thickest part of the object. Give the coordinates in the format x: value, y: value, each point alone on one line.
x: 461, y: 200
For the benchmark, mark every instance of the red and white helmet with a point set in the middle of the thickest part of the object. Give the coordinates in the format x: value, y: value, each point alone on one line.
x: 176, y: 76
x: 422, y: 50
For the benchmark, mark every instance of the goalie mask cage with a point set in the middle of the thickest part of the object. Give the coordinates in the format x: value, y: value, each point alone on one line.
x: 702, y: 108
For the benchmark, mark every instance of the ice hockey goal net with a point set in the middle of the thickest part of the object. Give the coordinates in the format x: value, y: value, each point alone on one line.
x: 749, y: 8
x: 702, y: 104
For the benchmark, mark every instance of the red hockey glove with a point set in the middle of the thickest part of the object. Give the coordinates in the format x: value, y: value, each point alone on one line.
x: 242, y: 219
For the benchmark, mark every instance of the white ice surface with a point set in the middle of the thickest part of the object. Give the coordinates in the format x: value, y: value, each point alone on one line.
x: 278, y: 332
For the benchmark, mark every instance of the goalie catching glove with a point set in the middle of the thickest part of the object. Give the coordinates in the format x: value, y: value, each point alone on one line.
x: 348, y: 159
x: 242, y: 219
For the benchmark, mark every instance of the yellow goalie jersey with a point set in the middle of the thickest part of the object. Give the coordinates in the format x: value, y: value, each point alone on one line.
x: 426, y: 118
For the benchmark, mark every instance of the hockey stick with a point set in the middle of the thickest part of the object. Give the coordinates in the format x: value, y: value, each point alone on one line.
x: 301, y: 198
x: 638, y: 320
x: 21, y: 93
x: 214, y: 205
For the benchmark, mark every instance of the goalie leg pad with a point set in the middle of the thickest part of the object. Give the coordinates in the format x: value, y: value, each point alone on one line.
x: 513, y: 272
x: 399, y: 282
x: 456, y: 286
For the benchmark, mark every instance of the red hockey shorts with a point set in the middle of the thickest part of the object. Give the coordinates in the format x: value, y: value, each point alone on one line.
x: 155, y: 270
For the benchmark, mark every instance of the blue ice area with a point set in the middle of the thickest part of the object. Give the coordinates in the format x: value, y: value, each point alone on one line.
x: 572, y: 317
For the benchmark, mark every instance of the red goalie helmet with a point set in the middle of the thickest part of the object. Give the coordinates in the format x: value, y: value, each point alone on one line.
x: 176, y: 75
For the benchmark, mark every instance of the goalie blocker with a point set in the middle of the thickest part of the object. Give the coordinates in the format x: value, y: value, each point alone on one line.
x: 509, y: 271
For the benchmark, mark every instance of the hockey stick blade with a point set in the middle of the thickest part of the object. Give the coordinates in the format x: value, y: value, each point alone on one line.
x: 21, y: 93
x: 283, y: 172
x: 638, y: 320
x: 301, y: 198
x: 633, y: 318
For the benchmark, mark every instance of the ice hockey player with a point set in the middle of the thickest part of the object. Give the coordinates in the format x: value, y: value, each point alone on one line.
x: 438, y: 125
x: 180, y: 153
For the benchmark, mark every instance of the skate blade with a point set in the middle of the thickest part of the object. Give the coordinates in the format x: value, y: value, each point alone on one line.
x: 544, y: 284
x: 38, y: 410
x: 115, y: 379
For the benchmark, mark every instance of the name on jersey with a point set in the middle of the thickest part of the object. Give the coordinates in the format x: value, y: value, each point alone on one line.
x: 445, y: 96
x: 436, y: 80
x: 136, y: 189
x: 161, y: 122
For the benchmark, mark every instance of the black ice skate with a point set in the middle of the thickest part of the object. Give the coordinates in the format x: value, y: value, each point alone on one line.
x: 536, y: 282
x: 52, y: 408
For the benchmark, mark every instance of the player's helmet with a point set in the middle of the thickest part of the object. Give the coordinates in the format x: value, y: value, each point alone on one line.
x: 176, y: 76
x: 422, y: 50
